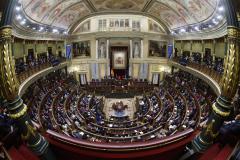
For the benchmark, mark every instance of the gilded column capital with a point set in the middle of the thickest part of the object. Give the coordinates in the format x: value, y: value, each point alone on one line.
x: 5, y: 32
x: 233, y: 32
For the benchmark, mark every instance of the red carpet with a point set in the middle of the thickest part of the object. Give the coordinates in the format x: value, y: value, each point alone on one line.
x: 217, y: 153
x: 225, y: 152
x: 22, y: 153
x: 15, y: 154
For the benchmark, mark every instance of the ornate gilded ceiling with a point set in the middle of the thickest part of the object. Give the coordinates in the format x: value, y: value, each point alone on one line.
x: 65, y: 13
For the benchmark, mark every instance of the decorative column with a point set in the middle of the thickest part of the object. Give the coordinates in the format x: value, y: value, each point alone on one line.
x: 203, y: 47
x: 191, y: 42
x: 222, y: 108
x: 173, y: 51
x: 9, y: 89
x: 108, y: 59
x: 214, y: 50
x: 47, y: 42
x: 17, y: 109
x: 35, y: 49
x: 131, y: 49
x: 141, y: 48
x: 56, y: 46
x: 97, y: 49
x: 181, y: 49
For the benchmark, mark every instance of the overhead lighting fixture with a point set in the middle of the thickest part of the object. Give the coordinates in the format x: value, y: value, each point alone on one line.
x: 215, y: 21
x: 65, y: 32
x: 34, y: 28
x: 210, y: 26
x: 221, y: 8
x: 18, y: 17
x: 182, y: 30
x: 196, y: 28
x: 40, y: 29
x: 23, y: 22
x: 18, y: 8
x: 219, y: 17
x: 55, y: 31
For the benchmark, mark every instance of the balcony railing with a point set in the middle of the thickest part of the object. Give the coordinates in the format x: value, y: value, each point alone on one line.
x: 216, y: 76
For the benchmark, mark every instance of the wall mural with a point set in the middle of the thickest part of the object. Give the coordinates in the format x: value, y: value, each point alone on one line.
x: 157, y: 49
x: 64, y: 13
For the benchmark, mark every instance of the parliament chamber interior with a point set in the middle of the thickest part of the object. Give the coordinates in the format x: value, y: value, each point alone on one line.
x: 119, y: 79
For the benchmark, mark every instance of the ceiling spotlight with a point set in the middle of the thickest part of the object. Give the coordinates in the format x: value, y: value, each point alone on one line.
x: 196, y: 28
x: 28, y: 26
x: 34, y: 28
x: 18, y: 17
x: 65, y: 32
x: 219, y: 17
x: 55, y: 31
x: 182, y: 30
x: 18, y: 8
x: 221, y: 8
x: 210, y: 26
x: 23, y: 22
x: 214, y: 21
x: 40, y: 29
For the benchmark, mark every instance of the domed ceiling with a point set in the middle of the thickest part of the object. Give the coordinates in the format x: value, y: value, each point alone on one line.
x: 65, y: 13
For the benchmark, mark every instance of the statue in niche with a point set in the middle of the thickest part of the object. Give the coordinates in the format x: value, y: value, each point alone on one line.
x: 136, y: 50
x: 102, y: 50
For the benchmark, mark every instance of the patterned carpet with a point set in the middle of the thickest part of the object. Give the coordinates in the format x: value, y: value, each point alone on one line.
x: 129, y: 111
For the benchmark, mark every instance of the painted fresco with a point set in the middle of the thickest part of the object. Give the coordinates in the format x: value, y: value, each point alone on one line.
x: 174, y: 13
x: 71, y: 15
x: 37, y: 9
x: 192, y: 9
x: 58, y: 10
x: 187, y: 11
x: 136, y: 5
x: 167, y: 15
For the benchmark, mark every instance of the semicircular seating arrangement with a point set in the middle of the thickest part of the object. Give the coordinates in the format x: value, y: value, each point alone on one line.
x: 59, y: 104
